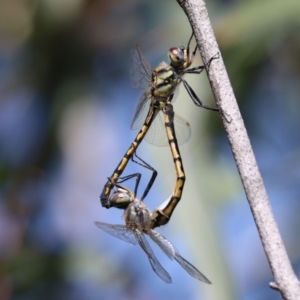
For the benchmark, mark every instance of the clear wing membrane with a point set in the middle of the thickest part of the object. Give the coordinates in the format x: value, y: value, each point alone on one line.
x: 140, y: 69
x: 182, y: 129
x: 119, y: 231
x: 136, y: 237
x: 168, y: 248
x: 155, y: 264
x: 141, y: 111
x: 163, y: 243
x: 157, y: 135
x: 193, y: 271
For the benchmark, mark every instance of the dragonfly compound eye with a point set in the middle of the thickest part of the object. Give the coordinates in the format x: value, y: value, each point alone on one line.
x: 177, y: 56
x: 119, y: 200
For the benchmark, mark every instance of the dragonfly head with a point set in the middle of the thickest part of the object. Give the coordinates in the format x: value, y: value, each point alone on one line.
x: 120, y: 199
x: 180, y: 58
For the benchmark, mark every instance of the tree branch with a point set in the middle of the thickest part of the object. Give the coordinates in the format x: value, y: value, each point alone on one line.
x: 286, y: 281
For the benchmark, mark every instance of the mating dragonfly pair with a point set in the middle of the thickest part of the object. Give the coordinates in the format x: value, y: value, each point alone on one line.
x: 154, y: 111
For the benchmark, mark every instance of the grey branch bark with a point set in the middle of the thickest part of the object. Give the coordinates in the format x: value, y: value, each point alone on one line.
x: 286, y: 281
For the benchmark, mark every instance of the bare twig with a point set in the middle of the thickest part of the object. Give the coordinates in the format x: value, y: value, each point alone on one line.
x: 285, y: 279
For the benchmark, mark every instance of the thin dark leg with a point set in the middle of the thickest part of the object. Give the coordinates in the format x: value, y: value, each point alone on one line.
x: 153, y: 177
x: 128, y: 177
x: 199, y: 69
x: 195, y: 70
x: 189, y: 43
x: 195, y: 98
x: 216, y: 56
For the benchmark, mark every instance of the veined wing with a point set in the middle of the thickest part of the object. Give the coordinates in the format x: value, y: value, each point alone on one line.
x: 193, y: 271
x: 140, y: 69
x: 168, y: 248
x: 182, y: 129
x: 141, y: 111
x: 155, y: 264
x: 157, y: 135
x: 163, y: 243
x: 119, y: 231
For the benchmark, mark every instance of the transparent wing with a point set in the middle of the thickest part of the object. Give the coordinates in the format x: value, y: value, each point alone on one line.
x: 140, y: 69
x: 163, y: 243
x: 172, y: 252
x: 193, y: 271
x: 141, y: 111
x: 182, y: 129
x: 119, y: 231
x: 157, y: 135
x: 155, y: 264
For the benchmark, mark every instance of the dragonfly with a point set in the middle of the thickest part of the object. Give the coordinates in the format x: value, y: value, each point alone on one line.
x: 161, y: 83
x: 139, y: 223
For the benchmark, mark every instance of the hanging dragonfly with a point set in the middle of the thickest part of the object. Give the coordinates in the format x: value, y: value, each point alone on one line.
x: 139, y: 221
x: 162, y: 83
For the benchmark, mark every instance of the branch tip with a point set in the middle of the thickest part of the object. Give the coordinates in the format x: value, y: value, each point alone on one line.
x: 274, y: 286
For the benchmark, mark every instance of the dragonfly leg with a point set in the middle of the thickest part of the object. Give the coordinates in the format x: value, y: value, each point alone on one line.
x: 142, y: 163
x: 216, y: 56
x: 188, y: 48
x: 125, y: 178
x: 195, y: 98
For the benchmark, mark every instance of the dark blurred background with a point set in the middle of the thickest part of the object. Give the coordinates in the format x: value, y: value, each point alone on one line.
x: 66, y: 105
